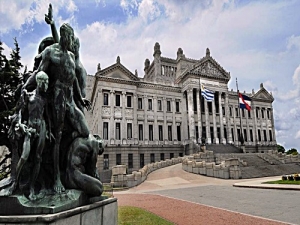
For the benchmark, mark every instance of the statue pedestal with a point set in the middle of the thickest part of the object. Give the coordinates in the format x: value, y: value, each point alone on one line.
x: 71, y: 208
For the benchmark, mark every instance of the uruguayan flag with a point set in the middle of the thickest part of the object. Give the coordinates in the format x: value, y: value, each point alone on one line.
x: 207, y: 94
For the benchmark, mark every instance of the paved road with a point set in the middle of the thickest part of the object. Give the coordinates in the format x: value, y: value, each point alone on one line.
x: 282, y: 205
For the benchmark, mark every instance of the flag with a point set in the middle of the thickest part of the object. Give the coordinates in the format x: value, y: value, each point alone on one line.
x: 207, y: 94
x: 245, y: 102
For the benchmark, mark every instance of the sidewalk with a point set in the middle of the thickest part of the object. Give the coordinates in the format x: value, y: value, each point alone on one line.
x: 258, y: 183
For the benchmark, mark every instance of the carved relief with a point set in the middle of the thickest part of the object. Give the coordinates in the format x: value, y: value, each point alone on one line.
x: 105, y: 110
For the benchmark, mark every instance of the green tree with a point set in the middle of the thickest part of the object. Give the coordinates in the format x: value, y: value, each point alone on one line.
x: 10, y: 78
x: 280, y: 148
x: 292, y: 151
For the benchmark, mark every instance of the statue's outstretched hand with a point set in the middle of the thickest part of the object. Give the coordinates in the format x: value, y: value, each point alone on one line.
x: 49, y: 16
x: 87, y: 104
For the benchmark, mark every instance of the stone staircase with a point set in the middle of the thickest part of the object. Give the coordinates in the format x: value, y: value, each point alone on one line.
x: 223, y: 149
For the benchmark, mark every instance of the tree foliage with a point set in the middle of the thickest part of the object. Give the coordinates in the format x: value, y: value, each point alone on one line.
x: 280, y: 148
x: 10, y: 78
x: 292, y: 151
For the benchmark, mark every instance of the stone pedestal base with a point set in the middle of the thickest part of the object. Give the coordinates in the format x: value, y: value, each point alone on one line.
x: 103, y: 212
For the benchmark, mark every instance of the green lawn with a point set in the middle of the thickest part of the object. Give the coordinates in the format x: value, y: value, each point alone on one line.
x: 128, y: 215
x: 283, y: 182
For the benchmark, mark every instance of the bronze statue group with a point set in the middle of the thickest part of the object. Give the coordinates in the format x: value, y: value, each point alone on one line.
x: 52, y: 147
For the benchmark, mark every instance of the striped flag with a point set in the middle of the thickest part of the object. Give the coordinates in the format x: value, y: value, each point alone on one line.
x: 207, y: 94
x: 245, y: 102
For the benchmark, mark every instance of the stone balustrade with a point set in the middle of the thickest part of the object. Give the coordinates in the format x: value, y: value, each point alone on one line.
x: 203, y: 164
x: 283, y: 157
x: 121, y: 179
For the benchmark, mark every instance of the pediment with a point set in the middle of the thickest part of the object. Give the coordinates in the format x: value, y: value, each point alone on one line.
x: 206, y: 67
x: 263, y: 94
x: 117, y: 71
x: 209, y: 68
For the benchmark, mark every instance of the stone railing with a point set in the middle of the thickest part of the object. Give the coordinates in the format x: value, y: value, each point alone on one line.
x: 203, y: 164
x: 284, y: 158
x: 121, y: 179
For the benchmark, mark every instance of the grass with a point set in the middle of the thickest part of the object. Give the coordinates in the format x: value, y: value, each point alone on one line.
x: 128, y: 215
x: 283, y: 182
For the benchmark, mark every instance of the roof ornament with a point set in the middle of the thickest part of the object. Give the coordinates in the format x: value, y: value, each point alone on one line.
x: 157, y: 49
x: 179, y: 53
x: 146, y: 64
x: 261, y: 85
x: 118, y: 59
x: 98, y: 67
x: 136, y: 73
x: 207, y: 52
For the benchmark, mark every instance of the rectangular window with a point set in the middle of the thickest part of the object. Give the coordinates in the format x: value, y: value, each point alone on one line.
x: 118, y: 100
x: 230, y: 111
x: 259, y: 136
x: 236, y: 112
x: 129, y: 101
x: 169, y: 106
x: 170, y: 132
x: 149, y: 104
x: 142, y: 160
x: 160, y: 132
x: 238, y: 134
x: 118, y: 131
x: 262, y: 113
x: 105, y: 130
x: 159, y: 106
x: 162, y: 156
x: 130, y: 161
x: 177, y: 107
x: 105, y: 162
x: 251, y: 135
x: 178, y: 133
x: 209, y: 104
x: 249, y: 114
x: 140, y: 132
x: 268, y: 113
x: 243, y: 112
x: 270, y: 134
x: 245, y: 135
x: 232, y: 134
x: 150, y: 132
x: 129, y: 130
x: 105, y: 99
x: 223, y: 110
x: 265, y: 135
x: 171, y: 155
x: 140, y: 103
x: 152, y: 158
x: 257, y: 111
x: 118, y: 159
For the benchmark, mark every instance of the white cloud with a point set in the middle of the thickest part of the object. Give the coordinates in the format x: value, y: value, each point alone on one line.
x: 293, y: 41
x: 148, y: 10
x: 14, y: 14
x: 297, y: 135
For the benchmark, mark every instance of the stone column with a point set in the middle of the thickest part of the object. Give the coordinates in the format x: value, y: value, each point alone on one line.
x: 124, y: 124
x: 173, y: 121
x: 199, y: 115
x: 146, y: 127
x: 165, y: 128
x: 207, y: 123
x: 223, y: 141
x: 184, y: 119
x: 255, y: 132
x: 155, y: 126
x: 216, y: 139
x: 100, y: 123
x: 227, y: 115
x: 135, y: 126
x: 191, y: 114
x: 273, y: 127
x: 112, y: 114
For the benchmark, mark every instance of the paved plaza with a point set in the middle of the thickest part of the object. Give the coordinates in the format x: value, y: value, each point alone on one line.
x: 172, y: 182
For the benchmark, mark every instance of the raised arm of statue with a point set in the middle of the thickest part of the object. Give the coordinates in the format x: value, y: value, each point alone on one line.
x: 49, y: 20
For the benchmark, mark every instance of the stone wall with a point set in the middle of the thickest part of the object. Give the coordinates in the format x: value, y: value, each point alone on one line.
x: 121, y: 179
x: 204, y: 163
x: 284, y: 158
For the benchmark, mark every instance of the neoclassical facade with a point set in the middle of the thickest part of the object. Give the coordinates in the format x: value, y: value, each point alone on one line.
x: 163, y: 115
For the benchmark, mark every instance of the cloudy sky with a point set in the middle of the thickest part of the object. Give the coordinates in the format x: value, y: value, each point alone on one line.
x: 256, y: 41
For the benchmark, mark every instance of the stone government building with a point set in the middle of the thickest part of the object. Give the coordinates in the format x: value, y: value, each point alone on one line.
x: 163, y: 114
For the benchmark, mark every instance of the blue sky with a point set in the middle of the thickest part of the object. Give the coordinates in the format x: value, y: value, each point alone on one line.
x: 256, y: 41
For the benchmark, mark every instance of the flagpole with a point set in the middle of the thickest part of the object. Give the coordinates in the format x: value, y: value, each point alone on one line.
x: 200, y: 125
x: 240, y: 138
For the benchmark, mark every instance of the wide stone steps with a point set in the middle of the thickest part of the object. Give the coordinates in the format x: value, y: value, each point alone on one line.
x: 221, y: 148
